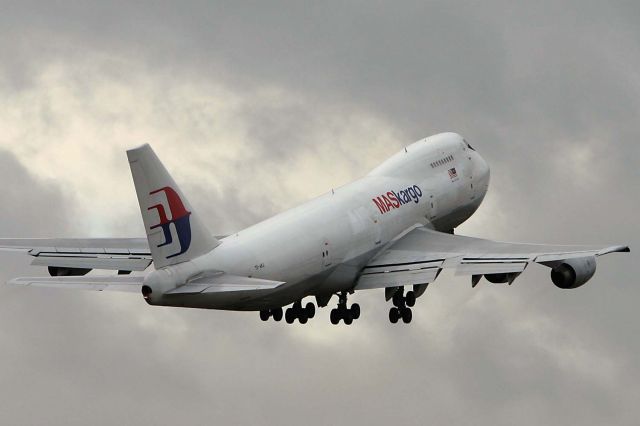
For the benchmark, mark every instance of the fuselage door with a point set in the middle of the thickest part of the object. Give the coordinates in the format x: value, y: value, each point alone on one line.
x: 467, y: 183
x: 326, y: 253
x: 432, y: 207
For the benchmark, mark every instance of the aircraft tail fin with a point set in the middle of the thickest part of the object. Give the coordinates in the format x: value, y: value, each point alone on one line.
x: 174, y: 231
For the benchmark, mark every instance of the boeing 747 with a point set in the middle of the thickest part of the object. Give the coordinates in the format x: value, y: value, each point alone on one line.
x: 393, y: 229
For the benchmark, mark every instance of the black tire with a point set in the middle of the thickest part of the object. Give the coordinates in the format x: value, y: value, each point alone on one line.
x: 394, y: 315
x: 347, y: 318
x: 264, y: 315
x: 334, y: 316
x: 410, y: 299
x: 277, y: 314
x: 290, y: 316
x: 355, y: 311
x: 310, y: 310
x: 407, y: 315
x: 397, y: 299
x: 303, y: 318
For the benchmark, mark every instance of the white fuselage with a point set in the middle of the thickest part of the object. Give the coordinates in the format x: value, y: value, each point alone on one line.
x: 320, y: 247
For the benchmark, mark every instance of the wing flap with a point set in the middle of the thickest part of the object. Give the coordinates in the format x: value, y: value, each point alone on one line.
x: 108, y: 263
x: 398, y: 277
x: 489, y: 267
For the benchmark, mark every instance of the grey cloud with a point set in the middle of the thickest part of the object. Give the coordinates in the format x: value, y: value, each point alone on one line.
x: 528, y: 85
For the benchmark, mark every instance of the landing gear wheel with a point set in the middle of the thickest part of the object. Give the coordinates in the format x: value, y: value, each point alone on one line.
x: 290, y: 316
x: 410, y: 299
x: 355, y: 311
x: 264, y: 315
x: 334, y: 316
x: 277, y: 314
x: 346, y: 317
x: 303, y: 318
x: 406, y: 315
x: 398, y: 300
x: 394, y: 315
x: 310, y: 310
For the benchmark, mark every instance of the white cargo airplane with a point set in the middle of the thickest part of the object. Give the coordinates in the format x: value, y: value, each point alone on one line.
x: 391, y: 229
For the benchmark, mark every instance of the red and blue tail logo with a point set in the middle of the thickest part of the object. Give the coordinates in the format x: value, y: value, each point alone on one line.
x: 179, y: 218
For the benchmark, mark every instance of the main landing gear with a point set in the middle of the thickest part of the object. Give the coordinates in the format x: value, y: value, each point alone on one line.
x: 291, y: 314
x: 402, y: 306
x: 344, y: 313
x: 268, y: 313
x: 301, y: 314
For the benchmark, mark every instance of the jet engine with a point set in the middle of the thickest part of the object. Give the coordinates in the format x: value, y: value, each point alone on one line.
x: 572, y: 273
x: 57, y: 271
x: 497, y: 278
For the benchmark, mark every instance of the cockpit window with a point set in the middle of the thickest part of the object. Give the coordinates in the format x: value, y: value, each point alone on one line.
x: 469, y: 146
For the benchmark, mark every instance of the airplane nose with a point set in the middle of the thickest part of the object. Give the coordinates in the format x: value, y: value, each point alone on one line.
x: 483, y: 171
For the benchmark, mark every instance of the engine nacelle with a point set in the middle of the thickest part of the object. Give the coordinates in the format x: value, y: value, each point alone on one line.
x: 573, y: 273
x: 497, y: 278
x: 59, y: 271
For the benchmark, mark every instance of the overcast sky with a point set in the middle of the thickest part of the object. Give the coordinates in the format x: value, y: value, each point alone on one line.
x: 256, y: 107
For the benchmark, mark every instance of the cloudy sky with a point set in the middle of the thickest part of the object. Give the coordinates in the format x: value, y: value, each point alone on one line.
x: 258, y: 106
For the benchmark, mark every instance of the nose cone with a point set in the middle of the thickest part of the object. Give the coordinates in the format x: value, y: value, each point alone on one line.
x: 481, y: 175
x: 483, y: 171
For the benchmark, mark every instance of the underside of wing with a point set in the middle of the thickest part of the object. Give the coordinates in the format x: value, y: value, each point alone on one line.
x: 420, y: 255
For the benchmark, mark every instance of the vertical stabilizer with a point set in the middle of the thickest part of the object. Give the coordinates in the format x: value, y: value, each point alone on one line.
x: 174, y: 230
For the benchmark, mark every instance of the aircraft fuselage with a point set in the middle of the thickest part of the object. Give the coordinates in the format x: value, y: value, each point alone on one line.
x: 320, y: 247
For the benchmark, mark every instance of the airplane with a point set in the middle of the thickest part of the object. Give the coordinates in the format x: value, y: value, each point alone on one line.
x: 393, y: 229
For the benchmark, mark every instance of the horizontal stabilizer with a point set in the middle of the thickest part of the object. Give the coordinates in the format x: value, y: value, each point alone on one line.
x: 224, y: 283
x: 96, y: 283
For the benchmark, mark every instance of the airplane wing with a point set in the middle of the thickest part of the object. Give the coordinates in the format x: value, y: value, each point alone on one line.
x: 109, y: 283
x: 83, y: 254
x: 75, y: 256
x: 217, y: 283
x: 420, y: 255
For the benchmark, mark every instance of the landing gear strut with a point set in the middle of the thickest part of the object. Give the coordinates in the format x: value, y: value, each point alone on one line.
x: 402, y: 306
x: 344, y: 313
